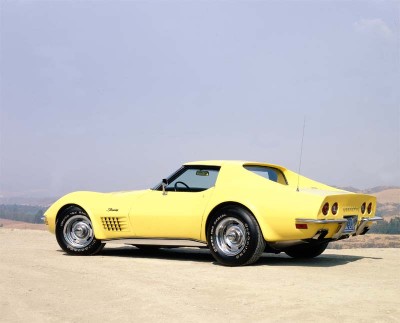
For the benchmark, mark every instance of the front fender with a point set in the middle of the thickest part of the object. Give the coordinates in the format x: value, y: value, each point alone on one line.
x: 79, y: 199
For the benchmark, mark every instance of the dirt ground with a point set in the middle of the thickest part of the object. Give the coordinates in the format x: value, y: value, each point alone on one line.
x: 40, y: 283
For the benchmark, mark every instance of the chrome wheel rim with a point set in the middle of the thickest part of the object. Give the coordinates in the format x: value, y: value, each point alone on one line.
x: 78, y: 231
x: 231, y: 236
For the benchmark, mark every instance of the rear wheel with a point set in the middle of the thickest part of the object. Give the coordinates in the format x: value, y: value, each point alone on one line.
x: 234, y: 237
x: 74, y: 233
x: 306, y: 250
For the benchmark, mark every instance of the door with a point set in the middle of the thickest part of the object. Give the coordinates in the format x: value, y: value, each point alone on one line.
x: 178, y: 211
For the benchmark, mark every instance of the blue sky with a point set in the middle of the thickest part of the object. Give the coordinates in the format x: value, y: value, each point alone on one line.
x: 114, y: 95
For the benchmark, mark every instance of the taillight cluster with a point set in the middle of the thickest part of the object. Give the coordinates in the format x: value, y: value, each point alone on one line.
x: 364, y: 207
x: 334, y: 209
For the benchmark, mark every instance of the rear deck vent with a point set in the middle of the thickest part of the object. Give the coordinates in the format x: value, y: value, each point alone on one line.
x: 114, y: 223
x: 351, y: 209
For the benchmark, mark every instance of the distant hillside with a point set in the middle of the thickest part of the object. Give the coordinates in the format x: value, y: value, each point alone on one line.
x: 44, y: 202
x: 388, y: 205
x: 388, y: 196
x: 373, y: 190
x: 378, y: 189
x: 24, y: 213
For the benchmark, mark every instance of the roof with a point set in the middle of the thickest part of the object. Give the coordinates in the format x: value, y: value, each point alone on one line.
x: 231, y: 162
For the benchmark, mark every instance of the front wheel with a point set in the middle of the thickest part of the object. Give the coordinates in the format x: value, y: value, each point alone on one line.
x: 306, y: 250
x: 74, y: 233
x: 234, y: 237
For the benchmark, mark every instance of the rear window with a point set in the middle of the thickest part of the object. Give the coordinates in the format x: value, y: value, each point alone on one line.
x: 270, y: 173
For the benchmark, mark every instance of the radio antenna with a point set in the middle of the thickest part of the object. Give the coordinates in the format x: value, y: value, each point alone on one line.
x: 301, y: 154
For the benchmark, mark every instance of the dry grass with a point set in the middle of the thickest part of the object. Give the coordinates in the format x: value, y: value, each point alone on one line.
x: 368, y: 241
x: 9, y: 224
x: 388, y: 196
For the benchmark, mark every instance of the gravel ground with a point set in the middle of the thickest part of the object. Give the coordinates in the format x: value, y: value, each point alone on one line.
x: 40, y: 283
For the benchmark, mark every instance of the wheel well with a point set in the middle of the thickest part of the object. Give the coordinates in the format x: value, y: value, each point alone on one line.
x: 221, y: 206
x: 65, y: 207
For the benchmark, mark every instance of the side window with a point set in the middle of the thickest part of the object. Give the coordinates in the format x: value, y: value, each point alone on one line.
x: 193, y: 180
x: 273, y: 174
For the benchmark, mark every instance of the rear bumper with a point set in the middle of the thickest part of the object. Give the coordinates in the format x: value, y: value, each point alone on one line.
x: 320, y: 221
x: 364, y: 222
x: 361, y: 227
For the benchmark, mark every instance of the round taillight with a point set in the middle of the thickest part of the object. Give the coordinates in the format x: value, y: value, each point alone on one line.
x: 369, y: 209
x: 363, y: 206
x: 325, y: 208
x: 335, y: 208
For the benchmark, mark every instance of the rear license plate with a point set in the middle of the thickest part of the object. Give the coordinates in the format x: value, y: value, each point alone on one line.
x: 351, y: 223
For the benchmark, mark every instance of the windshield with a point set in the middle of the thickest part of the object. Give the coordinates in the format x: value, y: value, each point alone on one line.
x: 191, y: 179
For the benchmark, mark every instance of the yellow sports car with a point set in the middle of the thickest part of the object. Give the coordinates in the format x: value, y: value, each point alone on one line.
x: 237, y: 209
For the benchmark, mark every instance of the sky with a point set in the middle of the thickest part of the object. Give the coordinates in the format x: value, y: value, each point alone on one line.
x: 116, y: 95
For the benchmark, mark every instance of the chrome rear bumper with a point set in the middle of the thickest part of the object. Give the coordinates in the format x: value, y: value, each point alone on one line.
x: 364, y: 222
x: 320, y: 221
x: 342, y: 225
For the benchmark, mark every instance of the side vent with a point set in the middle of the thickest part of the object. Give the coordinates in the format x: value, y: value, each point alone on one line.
x: 114, y: 223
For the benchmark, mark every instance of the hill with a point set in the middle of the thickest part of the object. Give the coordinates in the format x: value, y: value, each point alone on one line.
x: 391, y: 196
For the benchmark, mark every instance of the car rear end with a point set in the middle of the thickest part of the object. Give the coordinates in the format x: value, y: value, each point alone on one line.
x: 341, y: 216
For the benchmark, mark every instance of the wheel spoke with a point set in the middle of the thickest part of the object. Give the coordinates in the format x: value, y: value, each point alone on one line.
x: 78, y: 231
x: 231, y: 236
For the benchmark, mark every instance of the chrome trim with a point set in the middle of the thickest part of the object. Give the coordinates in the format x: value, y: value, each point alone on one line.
x: 78, y: 232
x: 342, y: 225
x: 320, y: 234
x: 159, y: 242
x: 374, y: 219
x: 364, y: 222
x: 317, y: 221
x: 164, y: 184
x: 340, y: 231
x: 231, y: 236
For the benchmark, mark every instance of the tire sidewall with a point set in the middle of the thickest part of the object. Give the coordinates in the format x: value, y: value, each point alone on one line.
x: 252, y: 233
x: 60, y: 224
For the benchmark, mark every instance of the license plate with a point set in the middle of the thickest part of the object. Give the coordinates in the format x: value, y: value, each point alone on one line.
x: 351, y: 223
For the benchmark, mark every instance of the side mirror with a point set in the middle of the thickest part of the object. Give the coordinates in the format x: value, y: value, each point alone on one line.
x: 164, y: 184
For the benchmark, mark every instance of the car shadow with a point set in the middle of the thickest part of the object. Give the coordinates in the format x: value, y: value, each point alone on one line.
x: 324, y: 260
x: 204, y: 255
x: 180, y: 254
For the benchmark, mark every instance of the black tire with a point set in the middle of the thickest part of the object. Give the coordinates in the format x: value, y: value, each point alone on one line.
x: 74, y: 233
x: 234, y: 237
x: 306, y: 250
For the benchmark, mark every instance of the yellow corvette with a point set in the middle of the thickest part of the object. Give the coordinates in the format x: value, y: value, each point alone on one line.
x: 238, y: 209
